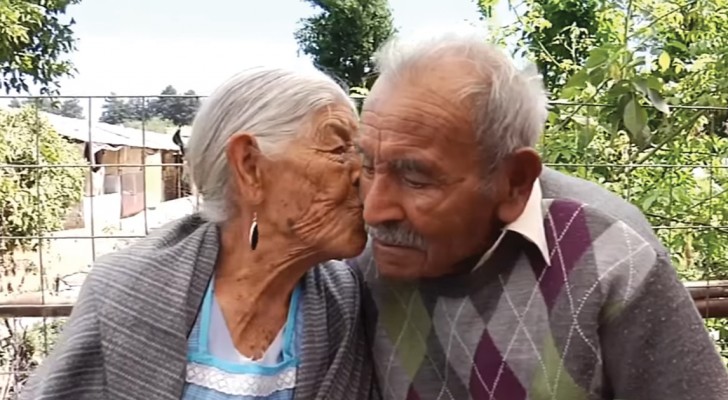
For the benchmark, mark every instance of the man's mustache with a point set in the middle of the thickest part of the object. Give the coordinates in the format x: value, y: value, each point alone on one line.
x: 396, y: 235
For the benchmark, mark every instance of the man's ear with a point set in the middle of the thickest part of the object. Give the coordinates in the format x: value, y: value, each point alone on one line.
x: 520, y: 171
x: 244, y: 160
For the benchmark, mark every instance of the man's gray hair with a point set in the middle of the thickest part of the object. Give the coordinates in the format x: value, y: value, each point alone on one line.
x: 272, y: 104
x: 510, y: 105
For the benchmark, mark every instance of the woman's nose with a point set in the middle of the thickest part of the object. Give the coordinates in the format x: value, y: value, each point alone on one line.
x: 355, y: 171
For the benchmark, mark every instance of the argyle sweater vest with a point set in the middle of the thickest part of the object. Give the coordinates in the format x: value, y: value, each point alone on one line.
x: 606, y: 318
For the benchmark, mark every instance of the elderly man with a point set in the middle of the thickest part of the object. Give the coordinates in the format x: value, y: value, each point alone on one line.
x: 486, y: 282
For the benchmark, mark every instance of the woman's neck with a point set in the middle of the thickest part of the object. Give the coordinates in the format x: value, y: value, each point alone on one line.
x: 254, y: 287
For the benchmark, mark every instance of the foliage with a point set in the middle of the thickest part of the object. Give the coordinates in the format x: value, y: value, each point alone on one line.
x: 115, y: 111
x: 640, y: 90
x: 344, y: 35
x: 358, y: 94
x: 22, y: 349
x: 69, y: 108
x: 178, y: 111
x: 34, y: 200
x: 33, y: 39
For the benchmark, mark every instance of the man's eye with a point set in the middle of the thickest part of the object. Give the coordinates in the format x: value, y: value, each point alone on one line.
x: 341, y: 149
x: 414, y: 184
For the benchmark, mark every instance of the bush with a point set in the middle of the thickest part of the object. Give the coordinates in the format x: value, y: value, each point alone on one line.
x: 34, y: 201
x: 22, y: 349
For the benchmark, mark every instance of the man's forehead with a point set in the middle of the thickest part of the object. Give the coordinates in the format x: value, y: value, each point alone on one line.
x: 373, y: 138
x: 402, y: 131
x: 412, y: 108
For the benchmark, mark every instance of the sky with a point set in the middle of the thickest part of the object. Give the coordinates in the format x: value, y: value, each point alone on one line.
x: 137, y: 47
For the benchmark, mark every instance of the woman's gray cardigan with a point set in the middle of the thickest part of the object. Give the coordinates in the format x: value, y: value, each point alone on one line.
x: 127, y: 335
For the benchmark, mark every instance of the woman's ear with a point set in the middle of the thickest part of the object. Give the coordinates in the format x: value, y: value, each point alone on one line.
x: 244, y: 159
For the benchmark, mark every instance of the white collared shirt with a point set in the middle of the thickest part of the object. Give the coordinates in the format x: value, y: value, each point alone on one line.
x: 529, y: 225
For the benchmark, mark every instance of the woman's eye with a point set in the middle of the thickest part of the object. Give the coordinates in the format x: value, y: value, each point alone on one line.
x: 367, y: 169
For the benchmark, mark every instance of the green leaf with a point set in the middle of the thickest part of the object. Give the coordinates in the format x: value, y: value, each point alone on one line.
x: 664, y: 61
x: 657, y: 101
x: 597, y: 75
x: 585, y: 137
x: 654, y: 83
x: 678, y: 45
x: 597, y: 57
x: 552, y: 117
x: 578, y: 80
x: 621, y: 87
x: 580, y: 119
x: 635, y: 117
x: 650, y: 199
x: 641, y: 85
x: 643, y: 138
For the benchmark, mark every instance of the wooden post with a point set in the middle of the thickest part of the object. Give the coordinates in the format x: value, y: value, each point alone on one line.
x: 710, y: 297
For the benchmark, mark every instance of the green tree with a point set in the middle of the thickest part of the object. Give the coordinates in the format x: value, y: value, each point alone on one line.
x: 35, y: 200
x: 178, y: 110
x: 640, y: 108
x: 34, y: 37
x: 68, y: 108
x: 343, y: 36
x: 139, y: 109
x: 71, y: 109
x: 115, y: 111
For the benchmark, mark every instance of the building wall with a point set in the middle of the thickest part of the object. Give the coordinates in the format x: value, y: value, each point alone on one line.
x: 122, y: 191
x: 154, y: 181
x: 172, y: 175
x: 140, y: 185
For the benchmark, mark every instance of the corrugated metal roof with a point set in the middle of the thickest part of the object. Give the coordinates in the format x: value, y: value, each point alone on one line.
x: 116, y: 135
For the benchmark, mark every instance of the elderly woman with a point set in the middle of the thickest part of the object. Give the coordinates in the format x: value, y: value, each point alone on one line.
x: 240, y: 301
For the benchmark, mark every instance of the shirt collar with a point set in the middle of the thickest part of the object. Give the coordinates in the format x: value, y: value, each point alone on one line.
x: 529, y: 225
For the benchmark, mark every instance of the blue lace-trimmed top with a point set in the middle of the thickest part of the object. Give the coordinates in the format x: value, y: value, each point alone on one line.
x: 217, y: 371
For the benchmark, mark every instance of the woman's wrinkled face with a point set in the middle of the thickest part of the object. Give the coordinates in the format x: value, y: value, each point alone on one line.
x: 311, y: 188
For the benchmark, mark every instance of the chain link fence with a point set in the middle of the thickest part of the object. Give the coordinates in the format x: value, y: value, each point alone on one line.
x: 130, y: 180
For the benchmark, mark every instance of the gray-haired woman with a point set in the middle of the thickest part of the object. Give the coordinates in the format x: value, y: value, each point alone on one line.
x: 240, y: 301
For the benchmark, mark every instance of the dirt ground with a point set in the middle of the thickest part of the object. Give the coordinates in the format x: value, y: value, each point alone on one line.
x: 63, y: 261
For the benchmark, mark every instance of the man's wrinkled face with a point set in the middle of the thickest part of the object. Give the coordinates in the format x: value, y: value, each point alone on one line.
x: 422, y: 180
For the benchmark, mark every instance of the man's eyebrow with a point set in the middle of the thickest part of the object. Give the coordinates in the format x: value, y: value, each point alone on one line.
x: 409, y: 165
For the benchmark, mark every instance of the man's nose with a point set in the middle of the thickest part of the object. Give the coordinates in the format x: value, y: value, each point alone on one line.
x: 381, y: 201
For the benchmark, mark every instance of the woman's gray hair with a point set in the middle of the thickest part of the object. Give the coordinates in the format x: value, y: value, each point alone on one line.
x: 510, y: 105
x: 272, y: 104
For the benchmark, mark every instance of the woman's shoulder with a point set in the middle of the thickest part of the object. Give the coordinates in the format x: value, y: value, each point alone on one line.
x: 336, y: 279
x: 335, y: 273
x: 172, y: 248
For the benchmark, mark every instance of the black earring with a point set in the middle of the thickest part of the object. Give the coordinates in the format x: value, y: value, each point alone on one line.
x: 253, y: 238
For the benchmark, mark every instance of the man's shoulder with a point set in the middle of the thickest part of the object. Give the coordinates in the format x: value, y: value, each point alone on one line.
x: 592, y: 225
x: 561, y: 186
x: 597, y: 249
x: 556, y: 185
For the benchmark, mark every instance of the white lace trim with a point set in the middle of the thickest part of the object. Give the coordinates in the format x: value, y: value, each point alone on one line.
x: 240, y: 385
